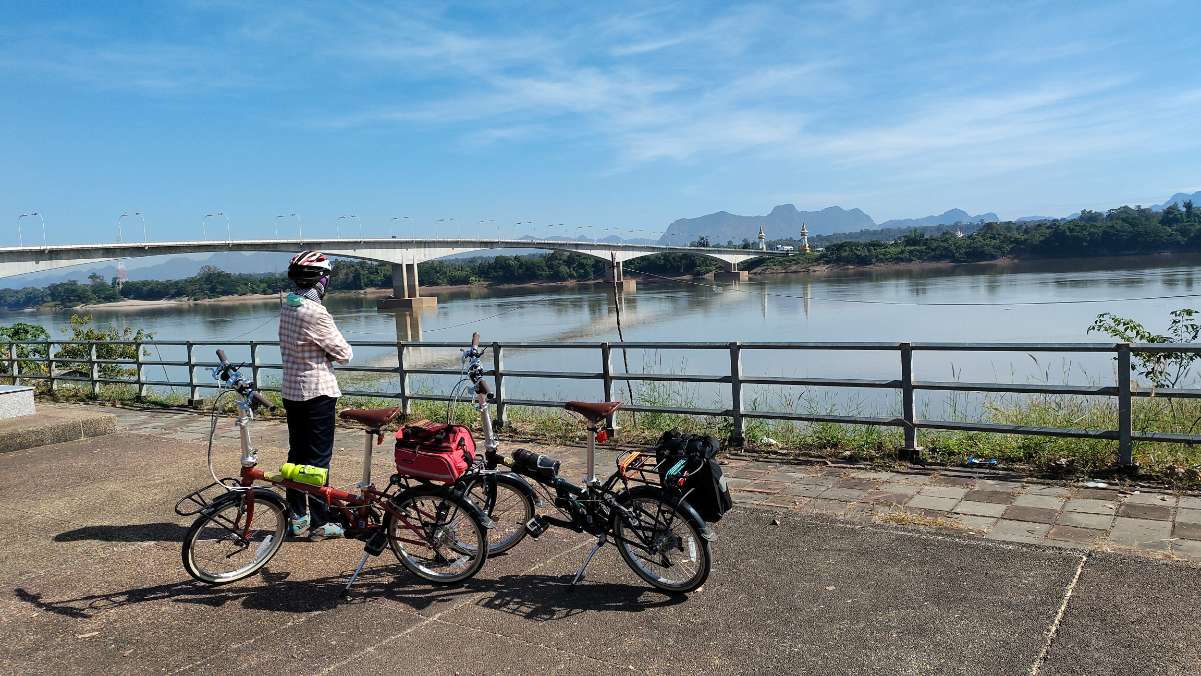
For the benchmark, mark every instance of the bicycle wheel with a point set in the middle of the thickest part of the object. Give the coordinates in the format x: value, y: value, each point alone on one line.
x: 661, y: 540
x: 234, y: 538
x: 507, y: 501
x: 437, y: 535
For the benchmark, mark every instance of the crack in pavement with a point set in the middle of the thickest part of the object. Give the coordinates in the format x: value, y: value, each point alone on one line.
x: 1063, y: 607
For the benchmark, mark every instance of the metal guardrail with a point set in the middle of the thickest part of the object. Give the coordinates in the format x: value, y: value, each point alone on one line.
x: 1124, y: 391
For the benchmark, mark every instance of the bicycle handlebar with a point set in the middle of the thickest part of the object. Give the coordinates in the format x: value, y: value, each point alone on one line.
x: 257, y: 398
x: 228, y: 373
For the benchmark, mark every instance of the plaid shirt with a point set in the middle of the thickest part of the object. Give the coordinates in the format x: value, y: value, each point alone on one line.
x: 309, y: 343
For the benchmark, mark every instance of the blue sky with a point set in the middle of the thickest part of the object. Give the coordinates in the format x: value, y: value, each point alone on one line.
x: 613, y: 117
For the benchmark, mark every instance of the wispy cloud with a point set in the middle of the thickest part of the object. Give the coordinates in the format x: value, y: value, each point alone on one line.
x: 853, y: 83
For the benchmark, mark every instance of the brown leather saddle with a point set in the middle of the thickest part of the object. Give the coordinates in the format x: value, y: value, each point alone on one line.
x: 593, y: 412
x: 373, y: 418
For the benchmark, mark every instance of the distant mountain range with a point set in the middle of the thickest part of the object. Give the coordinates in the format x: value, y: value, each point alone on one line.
x: 724, y: 226
x: 948, y: 217
x: 1179, y: 199
x: 785, y: 221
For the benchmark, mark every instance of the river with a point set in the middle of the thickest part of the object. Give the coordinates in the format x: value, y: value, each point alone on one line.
x: 1019, y: 302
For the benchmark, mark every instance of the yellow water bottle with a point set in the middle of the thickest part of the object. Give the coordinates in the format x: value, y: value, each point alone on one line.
x: 304, y: 474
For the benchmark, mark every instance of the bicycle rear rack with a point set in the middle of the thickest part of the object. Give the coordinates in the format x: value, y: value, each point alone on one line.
x: 199, y: 500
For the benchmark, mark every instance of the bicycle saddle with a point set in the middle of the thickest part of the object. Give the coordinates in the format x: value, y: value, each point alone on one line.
x: 375, y: 418
x: 594, y: 412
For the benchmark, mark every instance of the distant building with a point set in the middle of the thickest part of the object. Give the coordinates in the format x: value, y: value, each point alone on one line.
x: 762, y: 239
x: 804, y: 238
x: 122, y: 275
x: 785, y: 247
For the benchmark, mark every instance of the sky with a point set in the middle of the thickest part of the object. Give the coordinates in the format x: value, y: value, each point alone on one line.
x: 586, y: 118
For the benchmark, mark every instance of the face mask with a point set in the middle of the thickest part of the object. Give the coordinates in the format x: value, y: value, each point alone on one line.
x: 322, y: 285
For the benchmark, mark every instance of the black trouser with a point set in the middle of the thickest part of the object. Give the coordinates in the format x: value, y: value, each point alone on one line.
x: 310, y: 442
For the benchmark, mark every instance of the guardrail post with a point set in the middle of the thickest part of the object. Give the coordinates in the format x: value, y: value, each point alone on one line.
x: 607, y: 381
x: 254, y: 364
x: 406, y: 406
x: 1125, y: 445
x: 141, y: 380
x: 14, y: 366
x: 93, y: 370
x: 191, y: 377
x: 738, y: 435
x: 912, y: 451
x: 50, y: 365
x: 499, y: 378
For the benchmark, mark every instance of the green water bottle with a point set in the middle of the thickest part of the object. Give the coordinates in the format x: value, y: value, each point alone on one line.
x: 304, y: 474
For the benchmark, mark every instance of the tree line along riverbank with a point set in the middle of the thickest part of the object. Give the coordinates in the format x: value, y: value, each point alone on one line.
x: 1121, y: 231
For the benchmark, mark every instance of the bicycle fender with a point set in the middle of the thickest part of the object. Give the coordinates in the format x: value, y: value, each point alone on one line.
x: 673, y: 499
x: 236, y: 496
x: 519, y: 482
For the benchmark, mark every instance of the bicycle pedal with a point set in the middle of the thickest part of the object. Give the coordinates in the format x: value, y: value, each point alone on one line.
x: 376, y: 543
x: 535, y: 526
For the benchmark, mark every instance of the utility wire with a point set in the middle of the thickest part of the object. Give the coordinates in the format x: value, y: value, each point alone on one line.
x: 946, y: 304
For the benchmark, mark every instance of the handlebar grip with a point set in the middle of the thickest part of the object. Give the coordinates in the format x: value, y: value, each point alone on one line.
x: 475, y: 339
x: 221, y: 357
x: 260, y: 400
x: 482, y: 387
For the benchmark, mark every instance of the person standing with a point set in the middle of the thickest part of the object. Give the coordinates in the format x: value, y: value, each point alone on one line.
x: 309, y: 344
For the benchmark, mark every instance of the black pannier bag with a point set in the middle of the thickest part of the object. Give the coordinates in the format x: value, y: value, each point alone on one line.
x: 706, y: 487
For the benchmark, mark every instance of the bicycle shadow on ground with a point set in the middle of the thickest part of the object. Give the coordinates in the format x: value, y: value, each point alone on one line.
x: 534, y: 597
x: 142, y: 532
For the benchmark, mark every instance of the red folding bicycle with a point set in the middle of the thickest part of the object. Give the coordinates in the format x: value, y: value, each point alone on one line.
x: 435, y: 533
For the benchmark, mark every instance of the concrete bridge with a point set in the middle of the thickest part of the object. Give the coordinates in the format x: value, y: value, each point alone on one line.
x: 403, y: 254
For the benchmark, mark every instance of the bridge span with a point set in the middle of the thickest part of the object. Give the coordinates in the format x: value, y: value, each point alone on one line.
x: 402, y: 254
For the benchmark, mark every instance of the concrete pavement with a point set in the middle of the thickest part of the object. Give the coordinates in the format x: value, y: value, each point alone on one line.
x: 90, y: 580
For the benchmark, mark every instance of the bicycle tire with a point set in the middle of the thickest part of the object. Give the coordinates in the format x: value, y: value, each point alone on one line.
x: 683, y: 531
x: 451, y: 512
x: 508, y: 524
x: 268, y: 509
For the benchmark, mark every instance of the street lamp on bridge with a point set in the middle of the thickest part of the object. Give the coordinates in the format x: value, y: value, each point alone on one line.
x: 399, y: 218
x: 285, y: 216
x: 20, y: 238
x: 228, y: 228
x: 120, y: 235
x: 349, y: 216
x: 145, y: 228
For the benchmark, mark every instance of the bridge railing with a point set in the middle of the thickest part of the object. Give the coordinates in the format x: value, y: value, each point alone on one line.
x: 43, y: 361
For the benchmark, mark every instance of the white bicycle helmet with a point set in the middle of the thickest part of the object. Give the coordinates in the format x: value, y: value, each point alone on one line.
x: 307, y: 268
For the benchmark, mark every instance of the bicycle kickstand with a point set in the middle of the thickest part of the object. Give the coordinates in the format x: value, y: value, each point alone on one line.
x: 355, y: 575
x: 600, y: 542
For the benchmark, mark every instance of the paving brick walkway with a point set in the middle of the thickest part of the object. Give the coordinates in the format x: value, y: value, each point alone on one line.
x: 990, y: 505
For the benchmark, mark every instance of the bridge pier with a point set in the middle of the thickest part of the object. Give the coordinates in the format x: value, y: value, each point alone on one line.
x: 616, y: 275
x: 406, y: 290
x: 731, y: 273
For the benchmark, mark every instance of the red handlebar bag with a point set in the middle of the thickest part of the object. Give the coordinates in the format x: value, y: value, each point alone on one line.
x: 434, y: 452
